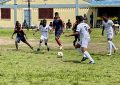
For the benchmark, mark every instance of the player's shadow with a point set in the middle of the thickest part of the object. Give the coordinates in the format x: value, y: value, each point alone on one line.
x: 73, y: 61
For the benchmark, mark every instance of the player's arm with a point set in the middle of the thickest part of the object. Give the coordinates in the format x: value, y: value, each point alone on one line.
x: 89, y: 30
x: 103, y: 31
x: 114, y: 29
x: 35, y: 31
x: 13, y: 34
x: 76, y: 33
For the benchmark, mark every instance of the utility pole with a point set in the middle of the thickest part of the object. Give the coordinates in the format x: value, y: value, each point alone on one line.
x: 15, y: 11
x: 77, y: 7
x: 29, y: 14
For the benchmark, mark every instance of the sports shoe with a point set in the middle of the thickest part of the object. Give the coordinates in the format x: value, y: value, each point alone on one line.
x: 38, y: 49
x: 84, y: 58
x: 109, y: 54
x: 61, y: 47
x: 115, y: 50
x: 48, y: 49
x: 91, y: 62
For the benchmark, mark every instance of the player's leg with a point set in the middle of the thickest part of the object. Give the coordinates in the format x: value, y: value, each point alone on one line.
x: 74, y: 42
x: 46, y: 44
x: 57, y: 38
x: 16, y: 42
x: 84, y: 49
x: 39, y: 46
x: 110, y: 44
x: 25, y: 41
x: 78, y: 47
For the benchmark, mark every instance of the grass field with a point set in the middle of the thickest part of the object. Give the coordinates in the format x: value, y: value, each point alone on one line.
x: 27, y: 67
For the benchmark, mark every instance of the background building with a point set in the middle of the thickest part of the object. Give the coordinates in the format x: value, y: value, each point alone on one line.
x: 40, y: 9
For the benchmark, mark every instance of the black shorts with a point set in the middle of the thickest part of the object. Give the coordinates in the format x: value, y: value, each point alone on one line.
x: 58, y: 33
x: 18, y: 39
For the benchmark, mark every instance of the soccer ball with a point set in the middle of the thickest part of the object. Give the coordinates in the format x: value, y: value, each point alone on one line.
x: 60, y: 54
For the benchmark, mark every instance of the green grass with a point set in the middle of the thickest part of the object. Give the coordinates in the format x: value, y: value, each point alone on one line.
x: 27, y: 67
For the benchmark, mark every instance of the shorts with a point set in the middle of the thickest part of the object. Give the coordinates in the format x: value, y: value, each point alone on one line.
x: 84, y: 42
x: 110, y: 35
x: 18, y: 39
x: 58, y: 33
x: 43, y: 38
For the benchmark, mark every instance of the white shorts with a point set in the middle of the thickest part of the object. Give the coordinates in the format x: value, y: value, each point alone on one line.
x: 84, y: 42
x: 43, y: 38
x: 110, y: 35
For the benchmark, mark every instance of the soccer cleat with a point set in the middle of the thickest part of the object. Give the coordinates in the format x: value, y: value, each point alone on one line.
x: 115, y: 50
x: 48, y: 49
x: 84, y: 58
x: 91, y: 62
x: 38, y: 49
x: 109, y: 54
x: 61, y: 47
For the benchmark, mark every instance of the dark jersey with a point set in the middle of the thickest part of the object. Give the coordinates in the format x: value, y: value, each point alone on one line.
x: 20, y: 33
x: 74, y: 27
x: 58, y: 25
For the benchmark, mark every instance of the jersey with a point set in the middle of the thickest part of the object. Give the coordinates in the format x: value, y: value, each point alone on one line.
x: 83, y: 30
x: 20, y: 33
x: 44, y: 30
x: 108, y: 26
x: 57, y: 24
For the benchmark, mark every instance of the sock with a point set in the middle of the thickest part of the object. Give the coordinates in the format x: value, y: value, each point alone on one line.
x: 39, y: 45
x: 88, y: 56
x: 79, y: 50
x: 113, y: 45
x: 110, y: 47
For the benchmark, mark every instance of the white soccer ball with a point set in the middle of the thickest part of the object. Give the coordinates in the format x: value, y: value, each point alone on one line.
x: 60, y: 54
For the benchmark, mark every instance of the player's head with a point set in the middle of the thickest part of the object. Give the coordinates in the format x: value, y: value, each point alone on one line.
x: 79, y: 19
x: 56, y: 14
x: 17, y: 23
x: 105, y: 17
x: 44, y: 22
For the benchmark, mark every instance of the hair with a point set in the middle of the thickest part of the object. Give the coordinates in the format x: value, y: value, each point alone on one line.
x: 80, y: 18
x: 56, y: 13
x: 105, y: 15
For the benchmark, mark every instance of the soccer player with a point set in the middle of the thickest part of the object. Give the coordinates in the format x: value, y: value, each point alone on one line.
x: 77, y: 37
x: 44, y: 29
x: 83, y: 30
x: 109, y: 27
x: 20, y: 36
x: 58, y: 27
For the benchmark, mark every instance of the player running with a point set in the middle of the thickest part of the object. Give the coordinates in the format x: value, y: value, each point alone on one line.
x: 20, y: 36
x: 44, y: 29
x: 83, y: 30
x: 58, y: 26
x: 109, y: 27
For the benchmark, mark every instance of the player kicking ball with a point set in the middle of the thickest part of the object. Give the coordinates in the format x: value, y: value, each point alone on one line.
x: 44, y: 29
x: 109, y: 27
x: 83, y: 30
x: 20, y: 36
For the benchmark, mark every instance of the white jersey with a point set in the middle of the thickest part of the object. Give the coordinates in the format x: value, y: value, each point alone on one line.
x: 44, y: 30
x: 83, y: 28
x: 108, y: 26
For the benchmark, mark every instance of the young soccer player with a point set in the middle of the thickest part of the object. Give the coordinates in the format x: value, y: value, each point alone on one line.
x: 44, y: 29
x: 83, y: 30
x: 20, y: 36
x: 109, y: 27
x: 77, y: 38
x: 58, y: 26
